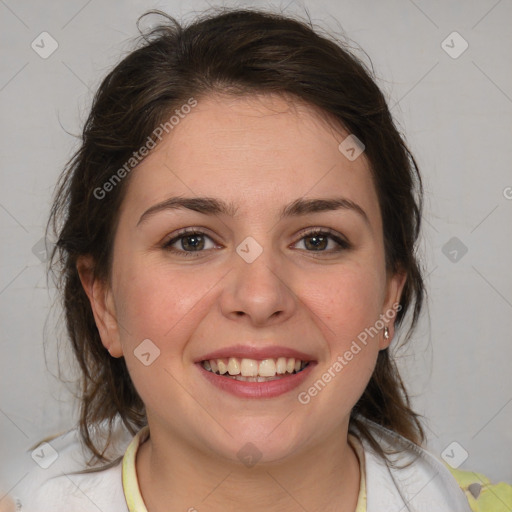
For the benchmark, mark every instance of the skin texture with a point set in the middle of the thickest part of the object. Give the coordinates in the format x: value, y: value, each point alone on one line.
x: 261, y: 153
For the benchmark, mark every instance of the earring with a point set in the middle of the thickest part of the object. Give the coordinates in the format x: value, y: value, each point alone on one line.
x: 386, y: 333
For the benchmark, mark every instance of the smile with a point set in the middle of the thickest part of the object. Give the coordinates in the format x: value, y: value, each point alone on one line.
x: 256, y: 378
x: 253, y: 370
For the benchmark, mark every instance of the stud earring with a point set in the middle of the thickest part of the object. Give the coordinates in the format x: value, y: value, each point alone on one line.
x: 386, y: 333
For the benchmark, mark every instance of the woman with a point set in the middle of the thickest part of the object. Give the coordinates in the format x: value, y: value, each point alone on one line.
x: 236, y: 237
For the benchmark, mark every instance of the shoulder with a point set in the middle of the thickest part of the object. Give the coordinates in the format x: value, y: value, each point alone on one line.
x: 482, y: 494
x: 100, y: 490
x: 53, y: 481
x: 433, y: 479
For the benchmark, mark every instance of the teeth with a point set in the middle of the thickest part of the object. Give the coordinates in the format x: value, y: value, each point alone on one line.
x: 268, y: 368
x: 249, y: 368
x: 252, y: 370
x: 233, y: 366
x: 281, y: 365
x: 254, y: 379
x: 223, y: 368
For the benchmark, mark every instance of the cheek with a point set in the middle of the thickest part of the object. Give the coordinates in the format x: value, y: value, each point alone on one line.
x: 161, y: 306
x: 152, y: 302
x: 348, y: 301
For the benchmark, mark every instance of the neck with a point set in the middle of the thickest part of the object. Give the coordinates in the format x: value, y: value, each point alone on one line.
x: 174, y: 476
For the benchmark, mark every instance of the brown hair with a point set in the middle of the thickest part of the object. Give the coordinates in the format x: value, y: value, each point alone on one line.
x: 239, y: 52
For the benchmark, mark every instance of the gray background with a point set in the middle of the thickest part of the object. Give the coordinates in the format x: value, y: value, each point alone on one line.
x: 457, y: 117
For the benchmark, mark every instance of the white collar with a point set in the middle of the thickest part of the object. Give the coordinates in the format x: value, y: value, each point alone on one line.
x: 424, y: 486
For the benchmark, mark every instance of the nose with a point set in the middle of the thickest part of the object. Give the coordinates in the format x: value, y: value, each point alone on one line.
x: 259, y: 292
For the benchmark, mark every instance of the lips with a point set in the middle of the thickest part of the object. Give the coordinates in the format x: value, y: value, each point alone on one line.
x: 258, y: 353
x: 255, y: 372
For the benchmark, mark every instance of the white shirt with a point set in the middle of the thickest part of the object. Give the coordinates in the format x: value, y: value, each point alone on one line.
x: 425, y: 486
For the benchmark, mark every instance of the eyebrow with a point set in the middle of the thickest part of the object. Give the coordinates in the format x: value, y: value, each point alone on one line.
x: 213, y: 206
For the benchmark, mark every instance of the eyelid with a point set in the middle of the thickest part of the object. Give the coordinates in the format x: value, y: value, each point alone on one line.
x: 320, y: 229
x: 181, y: 233
x: 338, y: 238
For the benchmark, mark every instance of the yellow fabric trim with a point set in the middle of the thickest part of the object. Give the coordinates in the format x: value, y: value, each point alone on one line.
x: 482, y: 494
x: 131, y: 487
x: 358, y: 448
x: 133, y: 495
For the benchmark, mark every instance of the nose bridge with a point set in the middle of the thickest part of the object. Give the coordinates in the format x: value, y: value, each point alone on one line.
x: 258, y: 283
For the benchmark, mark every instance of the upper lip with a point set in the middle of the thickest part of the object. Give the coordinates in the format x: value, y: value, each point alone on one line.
x: 251, y: 352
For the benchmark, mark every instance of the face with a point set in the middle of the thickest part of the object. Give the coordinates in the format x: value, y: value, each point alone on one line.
x: 272, y: 277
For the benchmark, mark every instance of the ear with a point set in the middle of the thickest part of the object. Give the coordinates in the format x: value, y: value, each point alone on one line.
x: 102, y: 305
x: 395, y: 285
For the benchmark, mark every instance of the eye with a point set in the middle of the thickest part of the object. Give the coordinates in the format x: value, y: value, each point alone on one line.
x: 189, y: 241
x: 318, y: 241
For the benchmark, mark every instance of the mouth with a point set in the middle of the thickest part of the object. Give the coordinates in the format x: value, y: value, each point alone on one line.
x: 255, y: 378
x: 254, y: 370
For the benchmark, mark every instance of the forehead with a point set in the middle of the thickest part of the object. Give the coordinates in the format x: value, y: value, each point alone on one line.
x: 254, y: 151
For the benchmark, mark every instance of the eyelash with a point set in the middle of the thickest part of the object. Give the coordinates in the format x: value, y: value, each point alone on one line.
x: 343, y: 244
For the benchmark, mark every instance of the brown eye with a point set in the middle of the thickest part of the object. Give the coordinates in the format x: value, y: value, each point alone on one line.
x: 318, y: 241
x: 188, y: 243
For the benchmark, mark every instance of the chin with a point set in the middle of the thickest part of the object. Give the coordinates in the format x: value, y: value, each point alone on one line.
x: 260, y: 443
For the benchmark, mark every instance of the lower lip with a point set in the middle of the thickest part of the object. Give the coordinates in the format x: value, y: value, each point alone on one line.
x: 269, y: 389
